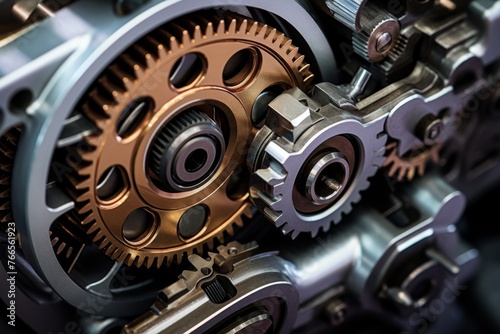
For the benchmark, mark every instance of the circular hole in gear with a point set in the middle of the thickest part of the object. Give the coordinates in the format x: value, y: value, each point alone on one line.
x: 20, y: 101
x: 196, y: 160
x: 133, y: 116
x: 139, y: 226
x: 187, y: 70
x: 237, y: 186
x: 192, y: 222
x: 330, y: 180
x: 112, y: 184
x: 240, y: 68
x: 261, y: 105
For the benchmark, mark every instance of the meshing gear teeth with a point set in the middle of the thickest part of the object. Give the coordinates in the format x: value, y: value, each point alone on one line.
x: 136, y: 73
x: 298, y: 133
x: 412, y: 164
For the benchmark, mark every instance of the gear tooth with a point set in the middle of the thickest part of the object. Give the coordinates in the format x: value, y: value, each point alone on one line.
x: 263, y: 29
x: 150, y: 61
x: 116, y: 255
x: 161, y: 262
x: 296, y: 233
x: 221, y: 28
x: 98, y: 237
x: 162, y: 52
x: 220, y: 238
x: 271, y: 34
x: 89, y: 220
x: 293, y: 52
x: 253, y: 29
x: 197, y: 36
x: 139, y: 261
x: 173, y: 44
x: 279, y: 39
x: 209, y: 30
x: 232, y: 29
x: 421, y: 168
x: 147, y: 262
x: 238, y: 222
x: 243, y: 27
x: 121, y: 257
x: 304, y: 68
x: 129, y: 261
x: 308, y: 79
x: 60, y: 249
x: 247, y: 212
x: 287, y: 45
x: 86, y: 208
x: 273, y: 215
x: 109, y: 250
x: 403, y: 172
x: 139, y: 71
x: 186, y: 38
x: 92, y: 228
x: 128, y: 83
x: 327, y: 226
x: 300, y: 60
x: 315, y: 231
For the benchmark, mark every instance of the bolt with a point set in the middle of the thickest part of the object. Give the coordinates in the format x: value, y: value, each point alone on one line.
x: 384, y: 42
x: 336, y: 311
x: 430, y: 129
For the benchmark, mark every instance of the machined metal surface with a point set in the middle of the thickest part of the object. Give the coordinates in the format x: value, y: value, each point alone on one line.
x: 146, y: 145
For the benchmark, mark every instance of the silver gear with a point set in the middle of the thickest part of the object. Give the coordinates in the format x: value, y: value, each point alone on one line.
x: 297, y: 131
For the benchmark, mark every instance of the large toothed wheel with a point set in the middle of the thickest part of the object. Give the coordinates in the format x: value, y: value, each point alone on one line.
x: 311, y: 163
x: 163, y: 175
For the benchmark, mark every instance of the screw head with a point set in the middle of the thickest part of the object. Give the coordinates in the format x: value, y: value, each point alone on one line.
x: 384, y: 42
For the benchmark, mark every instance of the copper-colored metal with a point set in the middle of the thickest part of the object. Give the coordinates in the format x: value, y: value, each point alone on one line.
x: 412, y: 163
x: 145, y: 71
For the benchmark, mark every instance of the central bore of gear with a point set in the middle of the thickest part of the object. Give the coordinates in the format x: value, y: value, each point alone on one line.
x: 328, y: 176
x: 187, y: 151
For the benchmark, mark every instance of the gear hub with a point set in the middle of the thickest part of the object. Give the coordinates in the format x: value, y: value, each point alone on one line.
x: 187, y: 151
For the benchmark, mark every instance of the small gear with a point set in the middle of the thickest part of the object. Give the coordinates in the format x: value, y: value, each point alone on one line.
x: 312, y: 164
x: 123, y: 198
x: 378, y: 36
x: 412, y: 163
x: 194, y: 138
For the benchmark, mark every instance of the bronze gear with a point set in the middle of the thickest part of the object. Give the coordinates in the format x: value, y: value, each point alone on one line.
x: 134, y: 219
x: 412, y: 163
